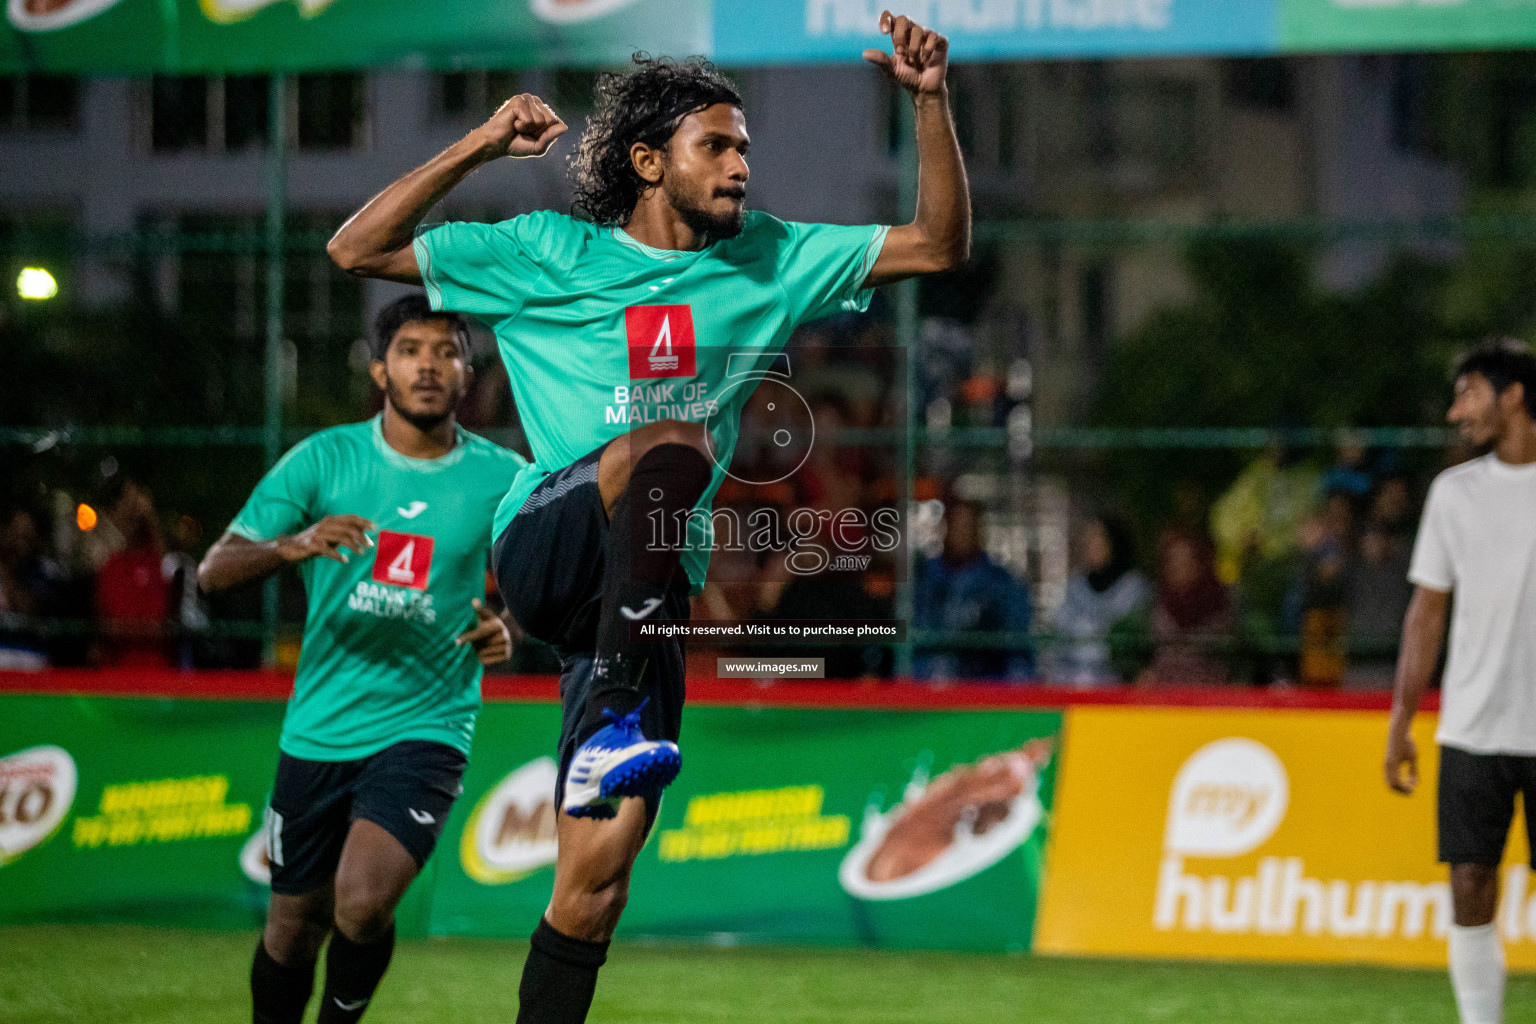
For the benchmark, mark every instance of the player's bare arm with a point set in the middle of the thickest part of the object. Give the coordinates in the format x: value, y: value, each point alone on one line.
x: 1423, y: 633
x: 939, y: 237
x: 490, y: 636
x: 376, y: 240
x: 234, y: 559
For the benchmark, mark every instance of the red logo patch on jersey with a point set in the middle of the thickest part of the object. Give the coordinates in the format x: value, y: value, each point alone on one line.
x: 660, y: 341
x: 403, y: 559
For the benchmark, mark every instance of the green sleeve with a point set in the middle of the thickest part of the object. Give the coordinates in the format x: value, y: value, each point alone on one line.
x: 485, y: 270
x: 287, y: 499
x: 822, y: 268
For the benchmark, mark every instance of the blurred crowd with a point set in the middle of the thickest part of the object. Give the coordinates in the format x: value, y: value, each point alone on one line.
x: 1295, y: 573
x: 111, y: 582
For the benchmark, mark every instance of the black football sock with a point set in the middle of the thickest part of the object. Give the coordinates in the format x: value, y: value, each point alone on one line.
x: 558, y: 978
x: 279, y: 993
x: 639, y: 567
x: 352, y: 972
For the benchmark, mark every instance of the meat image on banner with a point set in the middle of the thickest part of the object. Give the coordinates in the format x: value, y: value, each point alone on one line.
x: 948, y: 829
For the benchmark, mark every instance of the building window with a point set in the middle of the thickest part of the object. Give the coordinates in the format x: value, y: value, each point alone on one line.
x: 1259, y: 83
x: 332, y: 111
x: 472, y: 95
x: 573, y: 92
x: 218, y: 295
x: 39, y: 103
x: 215, y: 114
x: 1412, y: 99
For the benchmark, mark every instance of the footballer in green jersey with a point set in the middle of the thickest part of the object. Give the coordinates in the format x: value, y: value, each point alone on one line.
x: 617, y: 329
x: 388, y: 522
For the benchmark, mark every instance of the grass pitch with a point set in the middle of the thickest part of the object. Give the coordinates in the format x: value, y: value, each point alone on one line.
x: 130, y: 975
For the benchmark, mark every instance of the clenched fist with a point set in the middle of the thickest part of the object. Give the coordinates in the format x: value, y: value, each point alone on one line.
x: 524, y: 126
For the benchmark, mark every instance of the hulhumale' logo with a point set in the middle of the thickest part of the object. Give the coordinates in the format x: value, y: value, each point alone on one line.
x: 37, y: 789
x: 511, y: 832
x: 566, y: 11
x: 1228, y: 800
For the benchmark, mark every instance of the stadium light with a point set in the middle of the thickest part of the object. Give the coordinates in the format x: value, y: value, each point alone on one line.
x: 85, y: 518
x: 36, y: 283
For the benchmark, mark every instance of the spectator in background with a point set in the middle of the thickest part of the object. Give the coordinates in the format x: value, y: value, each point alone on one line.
x: 132, y: 593
x: 1348, y: 474
x: 29, y: 586
x: 963, y: 589
x: 1256, y: 520
x: 1377, y: 590
x: 1315, y: 607
x: 1104, y: 592
x: 1391, y: 509
x: 1192, y: 617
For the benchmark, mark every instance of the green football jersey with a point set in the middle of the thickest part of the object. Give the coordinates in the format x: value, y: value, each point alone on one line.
x: 379, y: 664
x: 600, y: 332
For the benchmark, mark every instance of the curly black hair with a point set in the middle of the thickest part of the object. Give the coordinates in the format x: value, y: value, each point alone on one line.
x: 646, y: 104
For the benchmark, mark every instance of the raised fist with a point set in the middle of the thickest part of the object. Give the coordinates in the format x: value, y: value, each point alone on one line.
x: 524, y: 126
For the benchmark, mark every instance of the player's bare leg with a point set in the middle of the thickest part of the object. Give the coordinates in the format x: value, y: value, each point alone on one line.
x: 283, y: 974
x: 592, y: 871
x: 591, y: 887
x: 1476, y: 950
x: 373, y: 875
x: 624, y: 453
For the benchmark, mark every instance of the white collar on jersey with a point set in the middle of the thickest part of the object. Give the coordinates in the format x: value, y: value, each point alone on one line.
x: 625, y: 238
x: 403, y: 461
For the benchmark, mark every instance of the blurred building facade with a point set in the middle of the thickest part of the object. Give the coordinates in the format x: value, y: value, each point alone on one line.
x: 1195, y: 139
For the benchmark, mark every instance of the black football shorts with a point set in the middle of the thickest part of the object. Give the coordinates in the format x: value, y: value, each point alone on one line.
x: 549, y: 569
x: 407, y: 789
x: 1476, y: 804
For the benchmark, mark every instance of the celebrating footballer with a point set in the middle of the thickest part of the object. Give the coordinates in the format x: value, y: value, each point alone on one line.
x: 664, y: 273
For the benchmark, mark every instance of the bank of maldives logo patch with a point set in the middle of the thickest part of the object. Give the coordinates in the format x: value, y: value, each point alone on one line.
x: 402, y: 559
x: 660, y: 341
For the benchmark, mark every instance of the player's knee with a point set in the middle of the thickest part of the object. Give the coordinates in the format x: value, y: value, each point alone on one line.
x: 363, y: 913
x: 590, y: 911
x: 1474, y: 893
x: 679, y: 432
x: 293, y: 938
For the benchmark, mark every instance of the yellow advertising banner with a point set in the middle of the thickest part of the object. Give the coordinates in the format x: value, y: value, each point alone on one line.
x: 1254, y: 835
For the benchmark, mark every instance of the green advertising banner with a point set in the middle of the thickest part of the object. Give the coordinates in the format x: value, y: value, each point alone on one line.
x: 882, y: 827
x: 903, y: 828
x: 242, y: 36
x: 1406, y: 24
x: 201, y: 36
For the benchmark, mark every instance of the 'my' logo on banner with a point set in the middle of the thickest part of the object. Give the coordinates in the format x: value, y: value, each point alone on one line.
x: 660, y: 341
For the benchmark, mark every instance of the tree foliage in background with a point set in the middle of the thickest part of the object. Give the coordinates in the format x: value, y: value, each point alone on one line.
x: 1263, y: 345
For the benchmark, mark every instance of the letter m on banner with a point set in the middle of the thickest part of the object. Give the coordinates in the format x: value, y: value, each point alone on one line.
x: 660, y: 341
